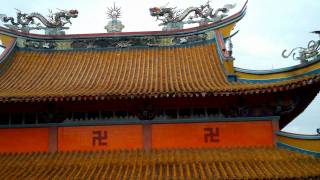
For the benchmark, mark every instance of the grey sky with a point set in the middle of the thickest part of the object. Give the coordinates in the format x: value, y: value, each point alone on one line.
x: 269, y: 27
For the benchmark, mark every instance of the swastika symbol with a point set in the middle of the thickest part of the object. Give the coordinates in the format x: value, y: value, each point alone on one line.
x: 211, y: 135
x: 99, y: 138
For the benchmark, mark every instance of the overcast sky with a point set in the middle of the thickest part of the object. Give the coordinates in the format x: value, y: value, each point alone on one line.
x: 269, y: 27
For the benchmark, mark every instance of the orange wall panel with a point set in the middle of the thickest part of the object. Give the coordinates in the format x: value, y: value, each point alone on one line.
x: 100, y: 137
x: 215, y: 134
x: 24, y: 140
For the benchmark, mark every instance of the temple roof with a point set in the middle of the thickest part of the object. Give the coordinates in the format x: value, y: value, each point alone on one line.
x: 238, y: 163
x: 141, y: 71
x: 131, y: 72
x: 191, y: 62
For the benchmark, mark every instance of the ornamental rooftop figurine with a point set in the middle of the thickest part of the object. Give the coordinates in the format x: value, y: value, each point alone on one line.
x: 173, y: 19
x: 54, y: 24
x: 115, y: 25
x: 311, y: 52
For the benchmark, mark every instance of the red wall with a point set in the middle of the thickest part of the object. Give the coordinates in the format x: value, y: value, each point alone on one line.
x: 24, y: 139
x: 109, y: 137
x: 224, y: 134
x: 100, y: 137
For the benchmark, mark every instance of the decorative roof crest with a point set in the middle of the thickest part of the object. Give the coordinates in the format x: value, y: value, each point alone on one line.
x: 305, y: 54
x: 114, y: 12
x: 54, y: 23
x: 115, y: 25
x: 175, y: 19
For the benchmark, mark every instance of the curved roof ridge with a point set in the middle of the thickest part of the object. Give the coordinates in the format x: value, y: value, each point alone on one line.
x: 278, y: 70
x: 298, y: 136
x: 216, y: 25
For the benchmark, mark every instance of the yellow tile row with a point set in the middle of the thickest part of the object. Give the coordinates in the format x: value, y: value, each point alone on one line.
x: 123, y: 72
x: 245, y: 163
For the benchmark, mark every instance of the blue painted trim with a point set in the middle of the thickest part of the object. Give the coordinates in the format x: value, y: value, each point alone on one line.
x: 298, y: 136
x: 135, y: 121
x: 232, y: 78
x: 296, y: 149
x: 254, y: 81
x: 281, y: 70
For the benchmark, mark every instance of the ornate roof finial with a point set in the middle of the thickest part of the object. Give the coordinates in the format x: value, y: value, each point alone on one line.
x: 114, y: 12
x: 53, y: 24
x: 115, y: 25
x: 311, y: 52
x: 175, y: 19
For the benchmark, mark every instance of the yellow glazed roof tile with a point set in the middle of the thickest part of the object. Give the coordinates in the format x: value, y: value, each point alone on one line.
x: 237, y: 163
x: 122, y: 72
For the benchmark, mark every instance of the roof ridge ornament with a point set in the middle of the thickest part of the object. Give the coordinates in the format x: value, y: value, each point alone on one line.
x: 53, y: 24
x: 173, y: 19
x: 311, y: 52
x: 115, y: 25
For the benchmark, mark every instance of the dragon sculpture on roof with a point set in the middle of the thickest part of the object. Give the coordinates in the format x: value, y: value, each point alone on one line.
x: 174, y: 19
x: 26, y: 22
x: 311, y: 52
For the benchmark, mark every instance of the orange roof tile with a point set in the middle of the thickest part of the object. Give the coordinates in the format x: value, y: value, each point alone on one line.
x: 249, y: 163
x: 122, y: 72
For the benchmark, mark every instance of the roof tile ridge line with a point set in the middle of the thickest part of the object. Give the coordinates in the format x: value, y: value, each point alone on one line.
x: 183, y: 66
x: 114, y: 65
x: 153, y: 72
x: 99, y: 67
x: 203, y: 85
x: 191, y: 70
x: 221, y: 45
x: 61, y: 81
x: 89, y: 72
x: 8, y: 50
x: 49, y: 61
x: 11, y: 78
x: 27, y: 75
x: 134, y: 62
x: 108, y: 59
x: 118, y: 87
x: 217, y: 38
x: 146, y: 72
x: 212, y: 69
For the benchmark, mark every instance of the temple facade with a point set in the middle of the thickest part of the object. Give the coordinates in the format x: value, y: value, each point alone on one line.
x: 171, y: 89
